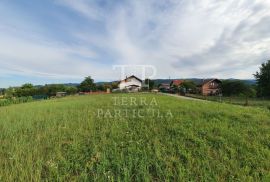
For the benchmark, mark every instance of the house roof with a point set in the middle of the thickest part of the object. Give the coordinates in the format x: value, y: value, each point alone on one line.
x: 204, y: 81
x: 164, y: 85
x: 177, y: 82
x: 132, y: 76
x: 133, y: 86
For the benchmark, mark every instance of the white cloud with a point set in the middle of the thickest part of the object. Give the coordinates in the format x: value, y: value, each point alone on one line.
x: 182, y: 38
x: 44, y: 59
x: 84, y: 7
x: 194, y: 38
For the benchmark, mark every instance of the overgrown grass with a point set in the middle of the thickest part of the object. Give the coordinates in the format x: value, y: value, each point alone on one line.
x: 18, y: 100
x: 257, y: 102
x: 66, y: 140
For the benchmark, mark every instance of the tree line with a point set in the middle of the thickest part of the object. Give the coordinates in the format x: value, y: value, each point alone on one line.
x: 38, y: 91
x: 50, y: 90
x: 236, y: 88
x: 228, y: 87
x: 260, y: 89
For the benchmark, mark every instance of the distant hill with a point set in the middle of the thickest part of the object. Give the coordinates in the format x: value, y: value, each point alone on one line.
x: 248, y: 81
x: 157, y: 82
x: 71, y: 84
x: 196, y: 80
x: 102, y: 83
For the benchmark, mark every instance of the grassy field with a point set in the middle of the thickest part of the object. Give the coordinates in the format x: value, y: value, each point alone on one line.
x: 95, y: 138
x: 256, y: 102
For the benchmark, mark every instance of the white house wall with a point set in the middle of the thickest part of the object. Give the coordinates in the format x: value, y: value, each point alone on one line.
x: 131, y: 81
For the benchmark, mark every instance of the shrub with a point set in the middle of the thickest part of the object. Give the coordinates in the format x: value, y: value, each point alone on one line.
x: 18, y: 100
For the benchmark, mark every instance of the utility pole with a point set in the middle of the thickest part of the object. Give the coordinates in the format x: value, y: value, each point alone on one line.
x: 148, y: 84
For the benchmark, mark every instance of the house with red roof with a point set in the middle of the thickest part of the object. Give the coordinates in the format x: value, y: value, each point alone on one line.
x: 176, y: 83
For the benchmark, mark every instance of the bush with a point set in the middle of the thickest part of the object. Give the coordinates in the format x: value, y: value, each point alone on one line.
x: 18, y: 100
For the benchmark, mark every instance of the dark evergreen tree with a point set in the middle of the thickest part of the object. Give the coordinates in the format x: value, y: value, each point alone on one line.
x: 263, y: 80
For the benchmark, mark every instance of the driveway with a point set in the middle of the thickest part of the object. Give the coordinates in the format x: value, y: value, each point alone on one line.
x: 183, y: 97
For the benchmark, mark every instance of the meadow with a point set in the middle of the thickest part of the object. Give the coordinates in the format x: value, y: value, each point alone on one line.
x: 254, y: 102
x: 11, y: 101
x: 100, y: 138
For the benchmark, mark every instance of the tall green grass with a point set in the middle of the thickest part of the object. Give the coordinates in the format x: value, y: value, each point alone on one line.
x: 65, y: 140
x: 256, y: 102
x: 19, y: 100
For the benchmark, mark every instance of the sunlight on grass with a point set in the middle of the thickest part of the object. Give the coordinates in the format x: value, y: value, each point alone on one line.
x: 65, y: 139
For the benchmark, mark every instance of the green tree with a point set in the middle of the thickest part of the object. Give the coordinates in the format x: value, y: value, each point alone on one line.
x: 87, y: 85
x: 2, y: 91
x: 10, y: 92
x: 52, y: 89
x: 263, y: 80
x: 101, y: 87
x: 25, y: 90
x: 114, y: 85
x: 237, y: 88
x: 27, y: 86
x: 149, y: 83
x: 189, y: 86
x: 71, y: 90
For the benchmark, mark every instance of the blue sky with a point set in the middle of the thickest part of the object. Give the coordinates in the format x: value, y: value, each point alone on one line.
x: 56, y: 41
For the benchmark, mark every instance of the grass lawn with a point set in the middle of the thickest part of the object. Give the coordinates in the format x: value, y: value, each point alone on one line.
x: 98, y: 138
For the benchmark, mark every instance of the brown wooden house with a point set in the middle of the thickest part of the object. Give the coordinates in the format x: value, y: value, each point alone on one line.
x: 209, y: 87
